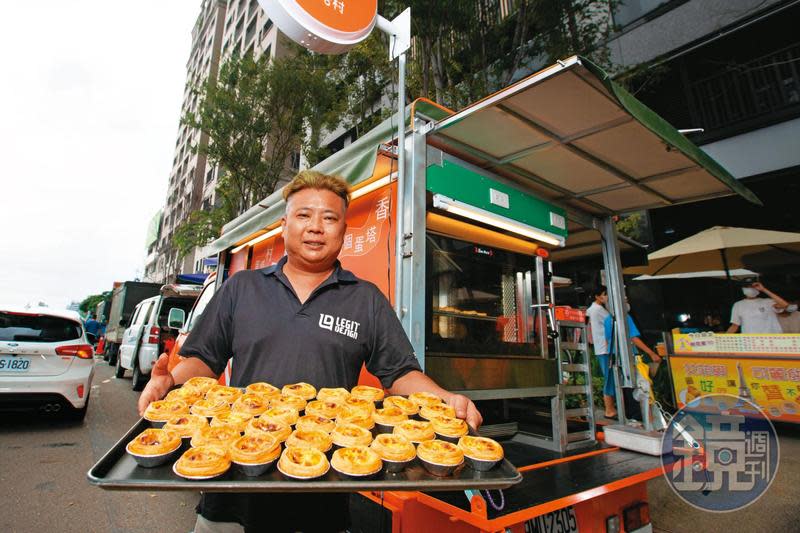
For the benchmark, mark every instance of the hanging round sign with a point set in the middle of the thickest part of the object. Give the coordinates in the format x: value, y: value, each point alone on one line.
x: 325, y: 26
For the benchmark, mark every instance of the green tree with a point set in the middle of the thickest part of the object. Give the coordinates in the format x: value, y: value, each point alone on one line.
x: 89, y: 303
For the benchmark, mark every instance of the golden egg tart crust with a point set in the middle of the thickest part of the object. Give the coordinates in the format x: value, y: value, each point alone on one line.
x: 310, y: 437
x: 424, y: 398
x: 389, y: 416
x: 282, y: 413
x: 210, y: 408
x: 186, y: 425
x: 229, y: 394
x: 220, y: 436
x: 449, y: 426
x: 203, y: 462
x: 356, y: 461
x: 200, y: 384
x: 163, y: 410
x: 230, y: 418
x: 440, y: 452
x: 357, y: 417
x: 345, y: 435
x: 365, y: 392
x: 183, y: 394
x: 305, y: 391
x: 415, y: 430
x: 327, y: 408
x: 429, y: 411
x: 277, y: 429
x: 263, y: 389
x: 359, y: 404
x: 255, y: 449
x: 391, y: 447
x: 337, y: 395
x: 303, y: 463
x: 481, y: 448
x: 283, y: 400
x: 316, y: 422
x: 407, y: 406
x: 154, y: 442
x: 250, y: 403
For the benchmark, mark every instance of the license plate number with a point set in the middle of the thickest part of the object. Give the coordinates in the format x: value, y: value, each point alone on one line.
x: 14, y: 364
x: 561, y: 521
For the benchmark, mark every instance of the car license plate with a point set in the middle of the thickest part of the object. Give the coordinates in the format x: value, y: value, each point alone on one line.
x: 14, y: 364
x: 561, y: 521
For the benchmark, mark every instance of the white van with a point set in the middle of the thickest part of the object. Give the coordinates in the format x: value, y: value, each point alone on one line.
x: 154, y: 325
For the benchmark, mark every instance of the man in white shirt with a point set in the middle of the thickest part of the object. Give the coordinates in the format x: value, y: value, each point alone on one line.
x: 757, y: 315
x: 597, y: 314
x: 789, y: 318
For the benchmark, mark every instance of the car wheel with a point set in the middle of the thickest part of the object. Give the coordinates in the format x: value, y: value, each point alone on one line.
x: 78, y: 414
x: 119, y: 373
x: 139, y: 379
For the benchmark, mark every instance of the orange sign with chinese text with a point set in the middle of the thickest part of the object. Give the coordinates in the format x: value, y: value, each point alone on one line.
x: 342, y: 15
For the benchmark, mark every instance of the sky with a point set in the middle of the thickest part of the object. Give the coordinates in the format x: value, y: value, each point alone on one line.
x: 90, y: 97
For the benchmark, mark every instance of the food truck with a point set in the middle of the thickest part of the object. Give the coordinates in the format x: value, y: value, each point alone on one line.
x: 465, y: 242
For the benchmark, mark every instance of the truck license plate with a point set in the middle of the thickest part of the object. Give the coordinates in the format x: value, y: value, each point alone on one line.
x: 561, y: 521
x: 14, y: 364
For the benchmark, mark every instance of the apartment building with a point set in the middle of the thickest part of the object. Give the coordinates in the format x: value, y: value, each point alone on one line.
x: 223, y: 28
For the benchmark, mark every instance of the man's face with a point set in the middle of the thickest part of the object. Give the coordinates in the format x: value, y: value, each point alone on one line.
x: 313, y: 229
x: 603, y: 298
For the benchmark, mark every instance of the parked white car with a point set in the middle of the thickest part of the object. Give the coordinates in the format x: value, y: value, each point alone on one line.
x: 46, y: 361
x: 154, y: 326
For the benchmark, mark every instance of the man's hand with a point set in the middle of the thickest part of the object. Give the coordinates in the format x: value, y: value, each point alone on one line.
x: 466, y: 410
x: 158, y: 386
x: 759, y: 286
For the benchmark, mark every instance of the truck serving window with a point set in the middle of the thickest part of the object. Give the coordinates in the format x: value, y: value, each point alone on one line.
x: 37, y: 328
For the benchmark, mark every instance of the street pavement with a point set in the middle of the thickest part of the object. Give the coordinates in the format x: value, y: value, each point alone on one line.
x: 43, y: 465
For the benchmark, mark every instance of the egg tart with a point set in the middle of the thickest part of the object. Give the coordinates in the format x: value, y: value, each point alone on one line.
x: 424, y: 398
x: 250, y: 403
x: 315, y: 422
x: 327, y: 408
x: 254, y: 453
x: 333, y: 395
x: 429, y: 411
x: 202, y: 462
x: 220, y: 436
x: 281, y: 413
x: 210, y: 408
x: 303, y: 390
x: 153, y: 447
x: 356, y: 461
x: 200, y: 384
x: 439, y: 457
x: 357, y: 417
x: 185, y: 395
x: 395, y: 450
x: 303, y: 463
x: 163, y: 410
x: 359, y: 404
x: 236, y: 420
x: 313, y: 438
x: 263, y: 389
x: 388, y: 417
x: 407, y: 406
x: 229, y: 394
x: 415, y: 430
x: 449, y: 428
x: 277, y: 429
x: 344, y: 435
x: 482, y: 453
x: 365, y: 392
x: 296, y: 402
x: 186, y: 425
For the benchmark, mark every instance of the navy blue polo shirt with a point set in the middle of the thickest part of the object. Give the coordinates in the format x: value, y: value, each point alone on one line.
x: 257, y: 319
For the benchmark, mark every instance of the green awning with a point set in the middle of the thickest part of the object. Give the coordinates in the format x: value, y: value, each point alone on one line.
x: 571, y: 135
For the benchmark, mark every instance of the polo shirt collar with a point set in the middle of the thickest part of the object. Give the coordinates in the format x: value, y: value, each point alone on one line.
x: 338, y: 275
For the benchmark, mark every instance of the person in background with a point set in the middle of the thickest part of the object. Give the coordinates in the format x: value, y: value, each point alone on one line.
x: 92, y: 327
x: 597, y: 314
x: 789, y: 318
x: 754, y: 314
x: 634, y: 336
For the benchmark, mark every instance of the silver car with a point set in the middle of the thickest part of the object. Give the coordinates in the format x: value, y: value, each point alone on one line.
x: 46, y: 361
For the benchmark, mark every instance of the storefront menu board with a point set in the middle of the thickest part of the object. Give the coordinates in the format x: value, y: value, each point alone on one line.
x: 724, y: 343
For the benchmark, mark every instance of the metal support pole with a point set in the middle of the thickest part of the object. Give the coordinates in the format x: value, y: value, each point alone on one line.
x: 624, y: 364
x: 401, y: 168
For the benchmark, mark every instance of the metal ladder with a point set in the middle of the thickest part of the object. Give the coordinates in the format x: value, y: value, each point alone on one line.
x: 573, y: 360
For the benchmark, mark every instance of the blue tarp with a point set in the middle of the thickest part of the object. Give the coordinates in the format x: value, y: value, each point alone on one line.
x: 196, y: 279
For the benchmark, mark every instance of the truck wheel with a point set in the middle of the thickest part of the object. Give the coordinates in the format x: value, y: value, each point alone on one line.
x: 119, y: 373
x: 139, y: 379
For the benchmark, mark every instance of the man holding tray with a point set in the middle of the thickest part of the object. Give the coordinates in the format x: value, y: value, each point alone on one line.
x: 303, y: 320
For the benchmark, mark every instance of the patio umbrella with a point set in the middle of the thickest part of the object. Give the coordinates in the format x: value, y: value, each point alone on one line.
x: 734, y: 273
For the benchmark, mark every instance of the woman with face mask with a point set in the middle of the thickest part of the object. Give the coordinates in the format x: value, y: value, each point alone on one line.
x: 757, y: 315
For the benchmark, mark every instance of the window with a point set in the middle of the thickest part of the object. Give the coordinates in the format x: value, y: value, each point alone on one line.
x: 266, y: 28
x: 209, y: 175
x: 200, y: 306
x: 37, y: 328
x: 295, y: 161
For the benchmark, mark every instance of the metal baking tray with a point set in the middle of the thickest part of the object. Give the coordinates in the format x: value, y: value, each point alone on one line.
x: 117, y: 470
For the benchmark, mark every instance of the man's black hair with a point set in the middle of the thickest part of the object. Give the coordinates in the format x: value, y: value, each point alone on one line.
x: 600, y: 289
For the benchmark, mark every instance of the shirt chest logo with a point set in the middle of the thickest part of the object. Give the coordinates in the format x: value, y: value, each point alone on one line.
x: 342, y: 326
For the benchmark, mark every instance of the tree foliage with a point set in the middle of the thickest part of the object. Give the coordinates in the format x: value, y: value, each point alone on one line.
x: 89, y: 303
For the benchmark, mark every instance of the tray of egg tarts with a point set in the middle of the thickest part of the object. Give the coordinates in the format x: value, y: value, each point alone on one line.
x: 205, y: 436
